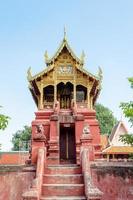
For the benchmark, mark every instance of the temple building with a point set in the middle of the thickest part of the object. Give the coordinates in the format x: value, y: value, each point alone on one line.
x: 116, y: 149
x: 65, y: 161
x: 66, y: 80
x: 65, y: 132
x: 66, y: 87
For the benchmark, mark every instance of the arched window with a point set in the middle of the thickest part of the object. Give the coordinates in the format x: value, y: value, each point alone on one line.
x: 65, y: 94
x: 48, y: 94
x: 81, y: 93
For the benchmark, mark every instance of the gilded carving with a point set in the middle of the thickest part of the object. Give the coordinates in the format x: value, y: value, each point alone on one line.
x: 64, y: 67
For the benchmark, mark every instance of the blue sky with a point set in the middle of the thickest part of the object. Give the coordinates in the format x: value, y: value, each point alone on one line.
x: 103, y: 29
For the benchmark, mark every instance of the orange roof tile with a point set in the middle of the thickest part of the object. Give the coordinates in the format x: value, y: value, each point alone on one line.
x: 118, y: 150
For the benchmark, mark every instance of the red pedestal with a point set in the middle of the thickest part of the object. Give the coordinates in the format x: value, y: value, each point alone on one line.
x: 51, y: 124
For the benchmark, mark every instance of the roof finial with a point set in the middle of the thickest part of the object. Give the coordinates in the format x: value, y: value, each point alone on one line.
x: 100, y: 73
x: 64, y: 33
x: 46, y: 56
x: 29, y: 75
x: 121, y: 119
x: 82, y: 56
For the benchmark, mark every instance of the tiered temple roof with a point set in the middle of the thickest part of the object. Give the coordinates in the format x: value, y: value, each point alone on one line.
x: 36, y: 81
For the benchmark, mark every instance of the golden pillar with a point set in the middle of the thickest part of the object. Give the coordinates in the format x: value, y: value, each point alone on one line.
x: 55, y: 85
x: 55, y: 92
x: 41, y: 97
x: 88, y: 98
x: 91, y: 103
x: 74, y: 86
x: 74, y: 97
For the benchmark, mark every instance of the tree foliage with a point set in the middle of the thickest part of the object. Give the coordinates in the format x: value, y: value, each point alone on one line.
x: 3, y: 121
x: 128, y: 106
x: 20, y: 139
x: 106, y: 119
x: 127, y: 109
x: 127, y: 139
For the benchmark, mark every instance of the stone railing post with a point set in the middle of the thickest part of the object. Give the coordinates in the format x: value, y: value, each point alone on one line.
x: 86, y: 143
x: 91, y: 192
x: 34, y: 192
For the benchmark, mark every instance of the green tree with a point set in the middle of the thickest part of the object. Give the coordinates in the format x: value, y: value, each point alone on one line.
x: 3, y: 121
x: 21, y: 138
x: 127, y: 109
x: 106, y: 119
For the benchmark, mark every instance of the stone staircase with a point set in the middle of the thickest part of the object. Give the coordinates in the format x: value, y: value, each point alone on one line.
x: 63, y: 182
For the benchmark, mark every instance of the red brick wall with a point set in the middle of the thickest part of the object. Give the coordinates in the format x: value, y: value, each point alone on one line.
x: 115, y: 180
x: 13, y: 158
x: 14, y: 181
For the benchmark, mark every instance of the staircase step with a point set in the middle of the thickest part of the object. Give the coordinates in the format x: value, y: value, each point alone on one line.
x: 52, y: 160
x: 63, y: 189
x: 63, y: 178
x: 65, y: 165
x: 64, y: 198
x: 63, y: 169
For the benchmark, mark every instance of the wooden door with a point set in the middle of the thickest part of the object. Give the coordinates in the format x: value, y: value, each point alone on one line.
x: 67, y: 144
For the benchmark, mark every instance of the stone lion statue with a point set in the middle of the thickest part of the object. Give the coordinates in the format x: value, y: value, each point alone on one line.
x: 40, y: 133
x: 86, y: 129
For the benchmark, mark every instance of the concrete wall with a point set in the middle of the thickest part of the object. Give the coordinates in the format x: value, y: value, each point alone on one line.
x: 115, y: 180
x: 14, y: 180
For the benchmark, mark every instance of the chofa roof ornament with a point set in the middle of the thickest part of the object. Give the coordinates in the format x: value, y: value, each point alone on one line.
x: 46, y: 56
x: 82, y: 57
x: 29, y: 75
x: 100, y: 73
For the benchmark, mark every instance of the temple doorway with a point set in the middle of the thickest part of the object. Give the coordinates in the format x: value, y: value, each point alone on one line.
x: 65, y: 94
x: 67, y: 144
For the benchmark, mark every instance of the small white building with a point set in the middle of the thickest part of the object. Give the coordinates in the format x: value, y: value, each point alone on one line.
x: 116, y: 148
x: 118, y: 129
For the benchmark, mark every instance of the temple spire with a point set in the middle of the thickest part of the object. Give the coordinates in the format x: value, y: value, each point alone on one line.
x: 64, y: 33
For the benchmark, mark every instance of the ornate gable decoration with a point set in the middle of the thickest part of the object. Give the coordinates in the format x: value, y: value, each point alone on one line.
x: 64, y: 44
x: 64, y: 66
